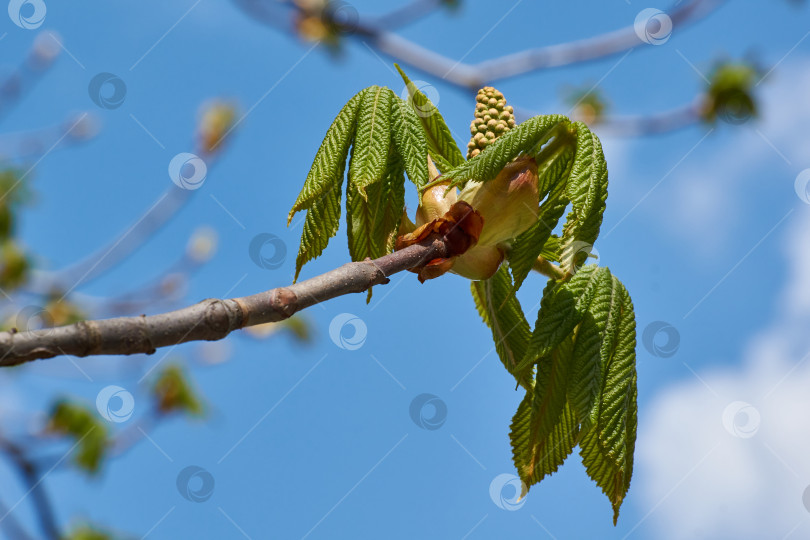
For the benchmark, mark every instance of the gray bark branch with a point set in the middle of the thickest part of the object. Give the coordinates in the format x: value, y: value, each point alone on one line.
x: 211, y: 319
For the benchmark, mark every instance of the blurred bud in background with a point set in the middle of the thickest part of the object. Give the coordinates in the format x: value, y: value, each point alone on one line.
x: 299, y: 327
x: 173, y: 392
x: 730, y: 96
x: 587, y: 105
x: 217, y: 119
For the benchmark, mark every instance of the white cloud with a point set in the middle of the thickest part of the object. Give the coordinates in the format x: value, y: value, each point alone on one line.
x: 700, y: 480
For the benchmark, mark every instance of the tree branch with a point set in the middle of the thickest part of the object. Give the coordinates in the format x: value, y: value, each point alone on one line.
x: 473, y: 76
x: 40, y: 499
x: 211, y: 319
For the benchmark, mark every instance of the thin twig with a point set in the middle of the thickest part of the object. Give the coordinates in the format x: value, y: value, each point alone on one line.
x: 636, y: 125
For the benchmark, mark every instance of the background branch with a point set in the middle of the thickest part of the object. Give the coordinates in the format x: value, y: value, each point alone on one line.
x: 473, y: 76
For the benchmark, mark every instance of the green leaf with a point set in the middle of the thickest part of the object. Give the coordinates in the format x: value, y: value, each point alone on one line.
x: 410, y: 141
x: 520, y: 140
x: 329, y: 164
x: 551, y: 249
x: 441, y: 145
x: 587, y: 191
x: 321, y: 224
x: 173, y: 392
x: 608, y: 444
x: 373, y: 140
x: 595, y: 345
x: 561, y: 310
x: 535, y: 459
x: 501, y: 311
x: 81, y: 424
x: 372, y: 224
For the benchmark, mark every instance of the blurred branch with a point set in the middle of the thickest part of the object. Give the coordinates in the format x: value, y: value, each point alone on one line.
x: 31, y: 476
x: 633, y: 126
x: 35, y: 143
x: 407, y: 14
x: 20, y: 81
x: 211, y: 319
x: 216, y: 125
x: 473, y: 76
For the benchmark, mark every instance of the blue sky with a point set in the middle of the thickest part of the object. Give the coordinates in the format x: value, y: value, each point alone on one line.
x: 704, y: 227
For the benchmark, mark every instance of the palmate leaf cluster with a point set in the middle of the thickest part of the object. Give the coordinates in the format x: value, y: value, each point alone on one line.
x: 577, y: 363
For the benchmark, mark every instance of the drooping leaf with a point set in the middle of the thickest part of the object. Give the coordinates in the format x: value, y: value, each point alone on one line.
x: 551, y: 249
x: 441, y: 145
x: 329, y: 164
x: 535, y: 459
x: 321, y: 224
x: 372, y: 224
x: 372, y: 142
x: 550, y: 387
x: 608, y: 444
x: 522, y: 139
x: 595, y: 345
x: 410, y: 141
x: 501, y: 311
x: 561, y: 310
x: 587, y: 191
